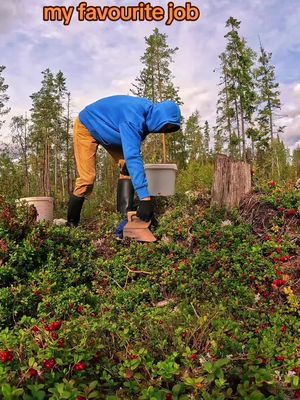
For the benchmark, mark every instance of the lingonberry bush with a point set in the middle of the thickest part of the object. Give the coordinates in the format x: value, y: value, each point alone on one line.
x: 211, y: 311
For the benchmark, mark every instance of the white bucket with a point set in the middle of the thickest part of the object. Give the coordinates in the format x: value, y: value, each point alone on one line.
x: 44, y: 206
x: 161, y: 179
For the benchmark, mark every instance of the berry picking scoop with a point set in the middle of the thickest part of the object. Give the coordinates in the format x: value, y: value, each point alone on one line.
x: 137, y: 229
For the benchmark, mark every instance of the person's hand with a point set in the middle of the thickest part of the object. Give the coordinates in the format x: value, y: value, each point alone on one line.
x: 145, y: 209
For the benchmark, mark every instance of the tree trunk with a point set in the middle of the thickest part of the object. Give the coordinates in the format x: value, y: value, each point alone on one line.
x: 238, y: 125
x: 227, y: 108
x: 55, y: 168
x: 243, y: 131
x: 26, y: 158
x: 232, y: 181
x: 68, y: 145
x: 270, y: 119
x: 46, y: 169
x: 161, y: 99
x: 63, y: 187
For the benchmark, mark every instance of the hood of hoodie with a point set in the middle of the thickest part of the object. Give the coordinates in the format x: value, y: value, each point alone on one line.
x: 166, y: 112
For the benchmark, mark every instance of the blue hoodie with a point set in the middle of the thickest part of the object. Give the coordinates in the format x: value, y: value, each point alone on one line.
x: 125, y: 121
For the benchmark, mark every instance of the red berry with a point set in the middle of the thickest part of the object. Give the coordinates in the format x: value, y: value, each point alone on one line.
x: 60, y: 343
x: 81, y: 366
x: 267, y: 237
x: 80, y: 398
x: 80, y: 309
x: 49, y: 364
x: 71, y: 306
x: 194, y: 356
x: 284, y: 329
x: 133, y: 357
x: 35, y: 329
x: 32, y: 372
x: 55, y: 326
x: 297, y: 394
x: 6, y: 356
x: 279, y: 358
x: 279, y: 282
x: 169, y: 396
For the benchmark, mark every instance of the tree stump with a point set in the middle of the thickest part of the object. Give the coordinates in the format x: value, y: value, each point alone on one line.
x: 231, y: 182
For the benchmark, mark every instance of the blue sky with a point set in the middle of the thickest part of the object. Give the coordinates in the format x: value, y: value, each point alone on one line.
x: 102, y: 58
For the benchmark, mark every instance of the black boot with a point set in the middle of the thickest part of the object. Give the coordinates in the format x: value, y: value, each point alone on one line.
x: 125, y: 196
x: 74, y: 210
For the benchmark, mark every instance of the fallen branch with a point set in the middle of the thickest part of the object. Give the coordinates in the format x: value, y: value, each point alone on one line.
x: 133, y: 271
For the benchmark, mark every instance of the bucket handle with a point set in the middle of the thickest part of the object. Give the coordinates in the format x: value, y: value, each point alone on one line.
x: 130, y: 215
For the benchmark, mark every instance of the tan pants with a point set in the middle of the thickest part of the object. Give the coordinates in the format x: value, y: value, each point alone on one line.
x: 85, y: 149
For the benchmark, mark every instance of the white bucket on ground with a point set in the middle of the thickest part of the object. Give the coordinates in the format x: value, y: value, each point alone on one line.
x: 161, y: 179
x: 44, y: 206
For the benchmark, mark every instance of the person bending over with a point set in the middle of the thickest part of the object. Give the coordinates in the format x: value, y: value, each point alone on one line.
x: 120, y: 124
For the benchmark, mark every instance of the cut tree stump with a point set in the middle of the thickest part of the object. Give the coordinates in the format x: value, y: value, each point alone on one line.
x: 231, y: 182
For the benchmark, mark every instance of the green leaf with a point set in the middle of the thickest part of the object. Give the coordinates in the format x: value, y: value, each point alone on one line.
x: 221, y: 363
x: 6, y: 389
x: 256, y: 395
x: 178, y: 389
x: 93, y: 395
x: 296, y: 381
x: 93, y: 385
x: 18, y: 392
x: 208, y: 367
x: 31, y: 362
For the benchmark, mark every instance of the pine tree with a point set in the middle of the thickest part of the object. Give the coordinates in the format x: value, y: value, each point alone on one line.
x: 296, y: 162
x: 3, y: 96
x: 48, y: 130
x: 206, y: 141
x: 19, y: 129
x: 194, y: 140
x: 268, y: 99
x: 44, y: 112
x: 269, y: 95
x: 70, y: 167
x: 219, y: 141
x: 155, y: 83
x: 226, y: 116
x: 60, y: 135
x: 155, y: 79
x: 238, y: 93
x: 10, y: 176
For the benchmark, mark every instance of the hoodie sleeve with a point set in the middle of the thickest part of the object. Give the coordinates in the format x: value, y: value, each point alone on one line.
x: 131, y: 143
